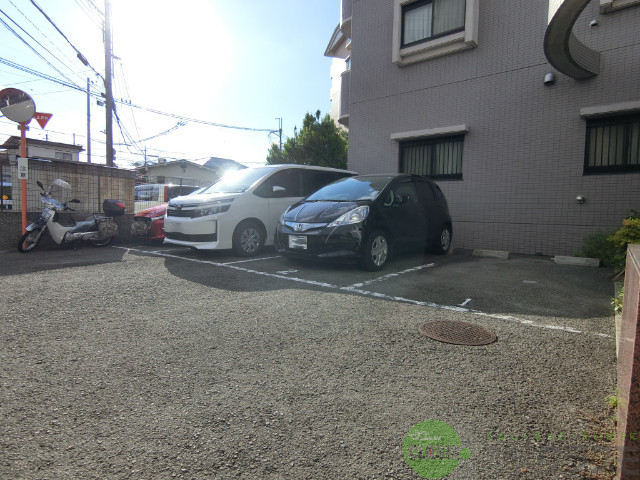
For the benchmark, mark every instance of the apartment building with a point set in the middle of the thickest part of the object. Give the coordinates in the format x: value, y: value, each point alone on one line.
x: 527, y: 114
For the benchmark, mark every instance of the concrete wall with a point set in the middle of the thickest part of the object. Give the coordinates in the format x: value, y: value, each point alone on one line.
x: 628, y: 438
x: 90, y: 183
x: 523, y: 156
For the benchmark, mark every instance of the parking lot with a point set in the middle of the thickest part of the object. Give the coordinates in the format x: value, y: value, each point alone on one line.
x: 147, y: 361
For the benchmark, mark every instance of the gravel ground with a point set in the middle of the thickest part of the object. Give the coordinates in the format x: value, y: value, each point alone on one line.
x: 159, y: 376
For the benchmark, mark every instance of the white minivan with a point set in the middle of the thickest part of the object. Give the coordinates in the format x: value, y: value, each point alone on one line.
x: 241, y: 210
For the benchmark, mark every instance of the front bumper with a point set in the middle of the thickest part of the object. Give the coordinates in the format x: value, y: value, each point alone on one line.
x: 335, y: 243
x: 201, y: 233
x: 148, y: 227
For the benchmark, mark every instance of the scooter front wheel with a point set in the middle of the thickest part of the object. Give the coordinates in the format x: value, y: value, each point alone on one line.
x: 30, y: 240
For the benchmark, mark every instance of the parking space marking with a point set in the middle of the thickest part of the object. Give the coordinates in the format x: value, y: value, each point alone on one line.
x: 465, y: 302
x: 391, y: 275
x: 353, y: 289
x: 251, y: 260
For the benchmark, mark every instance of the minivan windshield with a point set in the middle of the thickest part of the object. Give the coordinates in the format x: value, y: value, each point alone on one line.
x: 238, y: 181
x: 352, y: 189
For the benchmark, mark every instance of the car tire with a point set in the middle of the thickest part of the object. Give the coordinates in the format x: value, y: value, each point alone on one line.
x: 443, y: 241
x: 248, y: 239
x: 376, y: 251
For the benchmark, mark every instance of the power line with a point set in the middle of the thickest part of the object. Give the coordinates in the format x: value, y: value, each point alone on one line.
x: 150, y: 110
x: 81, y: 57
x: 44, y: 35
x: 8, y: 27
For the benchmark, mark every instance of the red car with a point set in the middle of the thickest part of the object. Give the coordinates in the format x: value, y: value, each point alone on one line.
x: 149, y: 223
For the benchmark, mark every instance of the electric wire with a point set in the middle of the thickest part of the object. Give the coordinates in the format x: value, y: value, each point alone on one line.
x: 43, y: 35
x: 92, y: 15
x: 81, y: 57
x: 8, y: 27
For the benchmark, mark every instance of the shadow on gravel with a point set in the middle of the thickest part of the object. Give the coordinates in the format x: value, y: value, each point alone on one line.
x: 522, y: 285
x: 56, y: 257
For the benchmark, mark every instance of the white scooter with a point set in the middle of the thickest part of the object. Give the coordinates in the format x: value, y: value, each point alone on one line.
x: 99, y: 230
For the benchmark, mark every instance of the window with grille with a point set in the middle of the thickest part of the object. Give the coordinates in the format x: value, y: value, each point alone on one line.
x: 438, y: 158
x: 613, y: 145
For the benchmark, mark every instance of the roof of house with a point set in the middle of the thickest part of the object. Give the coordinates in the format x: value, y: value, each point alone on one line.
x: 223, y: 163
x: 177, y: 162
x: 14, y: 142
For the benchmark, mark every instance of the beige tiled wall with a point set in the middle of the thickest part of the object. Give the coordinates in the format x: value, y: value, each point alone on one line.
x: 524, y: 153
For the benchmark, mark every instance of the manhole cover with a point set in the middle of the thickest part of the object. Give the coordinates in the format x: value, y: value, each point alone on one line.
x: 458, y: 333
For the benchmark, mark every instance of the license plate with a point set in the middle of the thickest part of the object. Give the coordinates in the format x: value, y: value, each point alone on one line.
x: 298, y: 241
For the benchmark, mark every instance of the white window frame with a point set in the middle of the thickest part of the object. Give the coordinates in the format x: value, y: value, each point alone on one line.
x: 439, y: 46
x: 608, y: 6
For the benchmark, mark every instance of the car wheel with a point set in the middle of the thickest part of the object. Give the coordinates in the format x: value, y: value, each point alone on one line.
x: 376, y: 251
x: 248, y: 239
x: 443, y: 242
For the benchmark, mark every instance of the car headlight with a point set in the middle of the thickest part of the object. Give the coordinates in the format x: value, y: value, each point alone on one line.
x: 357, y: 215
x: 203, y: 212
x: 153, y: 219
x: 282, y: 216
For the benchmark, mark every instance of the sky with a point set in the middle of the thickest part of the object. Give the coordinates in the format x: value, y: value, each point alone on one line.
x: 239, y: 64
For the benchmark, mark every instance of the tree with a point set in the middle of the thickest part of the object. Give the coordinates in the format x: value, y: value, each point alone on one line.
x: 319, y: 142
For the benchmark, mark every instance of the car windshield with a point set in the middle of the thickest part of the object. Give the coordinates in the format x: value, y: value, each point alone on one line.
x: 352, y: 189
x: 237, y: 181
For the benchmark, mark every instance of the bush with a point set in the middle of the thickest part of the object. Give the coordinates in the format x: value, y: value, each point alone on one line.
x: 599, y: 245
x: 611, y: 246
x: 627, y: 234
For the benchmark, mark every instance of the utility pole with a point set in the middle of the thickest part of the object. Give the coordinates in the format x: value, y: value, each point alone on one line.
x: 88, y: 120
x: 107, y: 80
x: 280, y: 130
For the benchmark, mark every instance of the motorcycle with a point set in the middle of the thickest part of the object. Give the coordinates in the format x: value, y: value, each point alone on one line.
x: 99, y: 230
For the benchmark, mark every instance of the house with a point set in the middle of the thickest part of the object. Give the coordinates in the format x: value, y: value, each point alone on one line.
x: 223, y: 165
x: 184, y: 172
x: 179, y: 172
x: 527, y: 114
x: 42, y: 149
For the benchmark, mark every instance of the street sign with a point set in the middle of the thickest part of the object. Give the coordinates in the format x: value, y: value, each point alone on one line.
x: 17, y: 105
x: 42, y: 118
x: 23, y: 168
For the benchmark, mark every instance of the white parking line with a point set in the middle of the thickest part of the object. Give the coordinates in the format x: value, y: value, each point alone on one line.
x: 251, y: 260
x: 391, y: 275
x: 354, y: 289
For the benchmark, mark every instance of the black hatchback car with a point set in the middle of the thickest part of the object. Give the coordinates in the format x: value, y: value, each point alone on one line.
x: 366, y: 218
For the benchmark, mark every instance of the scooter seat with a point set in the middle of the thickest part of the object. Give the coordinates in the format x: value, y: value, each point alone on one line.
x: 84, y: 226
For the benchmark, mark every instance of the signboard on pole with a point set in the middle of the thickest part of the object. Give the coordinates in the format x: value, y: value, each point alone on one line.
x: 23, y: 168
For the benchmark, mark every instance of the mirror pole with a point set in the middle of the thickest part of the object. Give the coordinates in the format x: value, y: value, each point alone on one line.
x: 23, y: 181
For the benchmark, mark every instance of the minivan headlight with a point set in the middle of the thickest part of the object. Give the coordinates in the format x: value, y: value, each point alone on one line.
x: 203, y: 212
x: 357, y: 215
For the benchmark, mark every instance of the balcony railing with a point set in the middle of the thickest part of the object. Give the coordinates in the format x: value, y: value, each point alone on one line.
x: 563, y: 50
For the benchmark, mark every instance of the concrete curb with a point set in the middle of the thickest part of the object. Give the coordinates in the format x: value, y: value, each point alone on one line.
x: 580, y: 261
x: 492, y: 253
